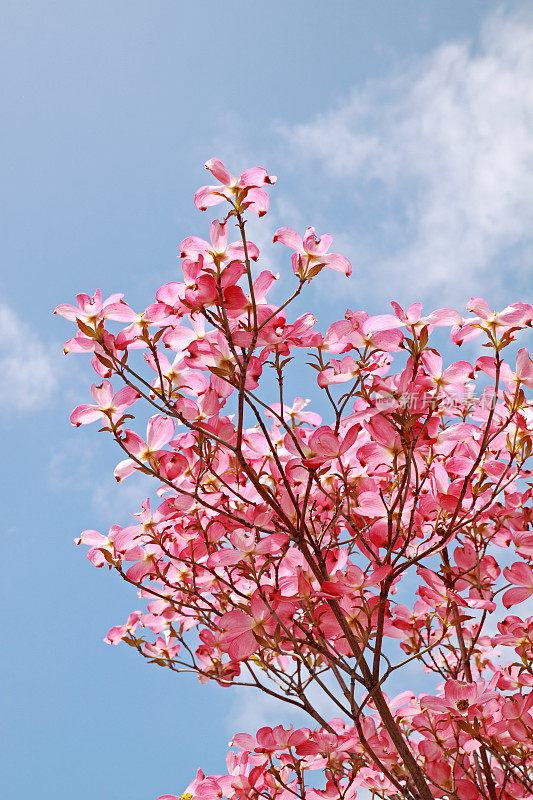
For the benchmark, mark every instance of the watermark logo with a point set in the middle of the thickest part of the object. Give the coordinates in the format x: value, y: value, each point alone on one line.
x: 419, y: 401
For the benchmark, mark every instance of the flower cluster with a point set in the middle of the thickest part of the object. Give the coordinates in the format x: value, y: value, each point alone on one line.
x: 296, y: 555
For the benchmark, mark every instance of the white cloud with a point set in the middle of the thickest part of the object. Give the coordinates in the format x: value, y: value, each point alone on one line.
x: 28, y: 367
x: 448, y: 141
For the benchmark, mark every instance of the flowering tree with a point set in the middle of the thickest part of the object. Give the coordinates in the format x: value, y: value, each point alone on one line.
x: 304, y: 558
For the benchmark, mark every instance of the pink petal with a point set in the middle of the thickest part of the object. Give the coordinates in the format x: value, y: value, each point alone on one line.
x: 309, y: 240
x: 96, y: 557
x: 350, y: 438
x: 263, y: 283
x: 256, y: 176
x: 192, y: 246
x: 125, y: 397
x: 224, y: 558
x: 115, y: 635
x: 433, y: 363
x: 514, y: 596
x: 324, y: 442
x: 244, y: 741
x: 82, y: 415
x: 479, y: 306
x: 289, y: 238
x: 67, y: 312
x: 519, y: 573
x: 257, y: 201
x: 207, y: 196
x: 413, y: 313
x: 444, y: 316
x: 459, y: 465
x: 243, y: 647
x: 220, y: 171
x: 369, y: 504
x: 524, y: 365
x: 159, y: 431
x: 318, y: 247
x: 235, y: 623
x: 459, y: 372
x: 486, y: 364
x: 338, y: 263
x: 134, y: 444
x: 464, y: 333
x: 92, y: 538
x: 121, y: 312
x: 124, y: 468
x: 103, y: 395
x: 219, y: 235
x: 382, y: 322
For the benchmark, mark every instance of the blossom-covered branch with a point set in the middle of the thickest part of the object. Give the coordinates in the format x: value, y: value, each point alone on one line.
x: 305, y: 557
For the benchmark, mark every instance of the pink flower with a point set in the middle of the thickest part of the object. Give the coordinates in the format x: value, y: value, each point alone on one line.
x: 523, y: 374
x: 218, y: 250
x: 244, y: 192
x: 89, y: 309
x: 99, y: 545
x: 451, y: 380
x: 460, y: 698
x: 324, y: 445
x: 107, y: 405
x: 513, y: 317
x: 385, y: 447
x: 118, y: 632
x: 338, y: 372
x: 295, y: 413
x: 238, y: 637
x: 159, y: 432
x: 379, y: 332
x: 412, y: 316
x: 311, y: 253
x: 518, y: 720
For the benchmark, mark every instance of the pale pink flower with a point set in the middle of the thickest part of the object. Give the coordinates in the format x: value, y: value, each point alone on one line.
x: 218, y: 250
x: 108, y: 405
x: 311, y: 252
x: 245, y: 191
x: 159, y: 432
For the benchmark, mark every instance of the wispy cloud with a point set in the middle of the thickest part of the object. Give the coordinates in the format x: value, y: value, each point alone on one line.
x: 443, y: 148
x: 28, y: 366
x: 81, y: 464
x: 252, y: 709
x: 115, y: 503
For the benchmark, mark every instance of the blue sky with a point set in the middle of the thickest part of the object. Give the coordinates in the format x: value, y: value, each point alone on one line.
x: 401, y: 128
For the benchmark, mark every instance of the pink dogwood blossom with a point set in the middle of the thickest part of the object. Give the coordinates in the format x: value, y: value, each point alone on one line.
x: 310, y: 252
